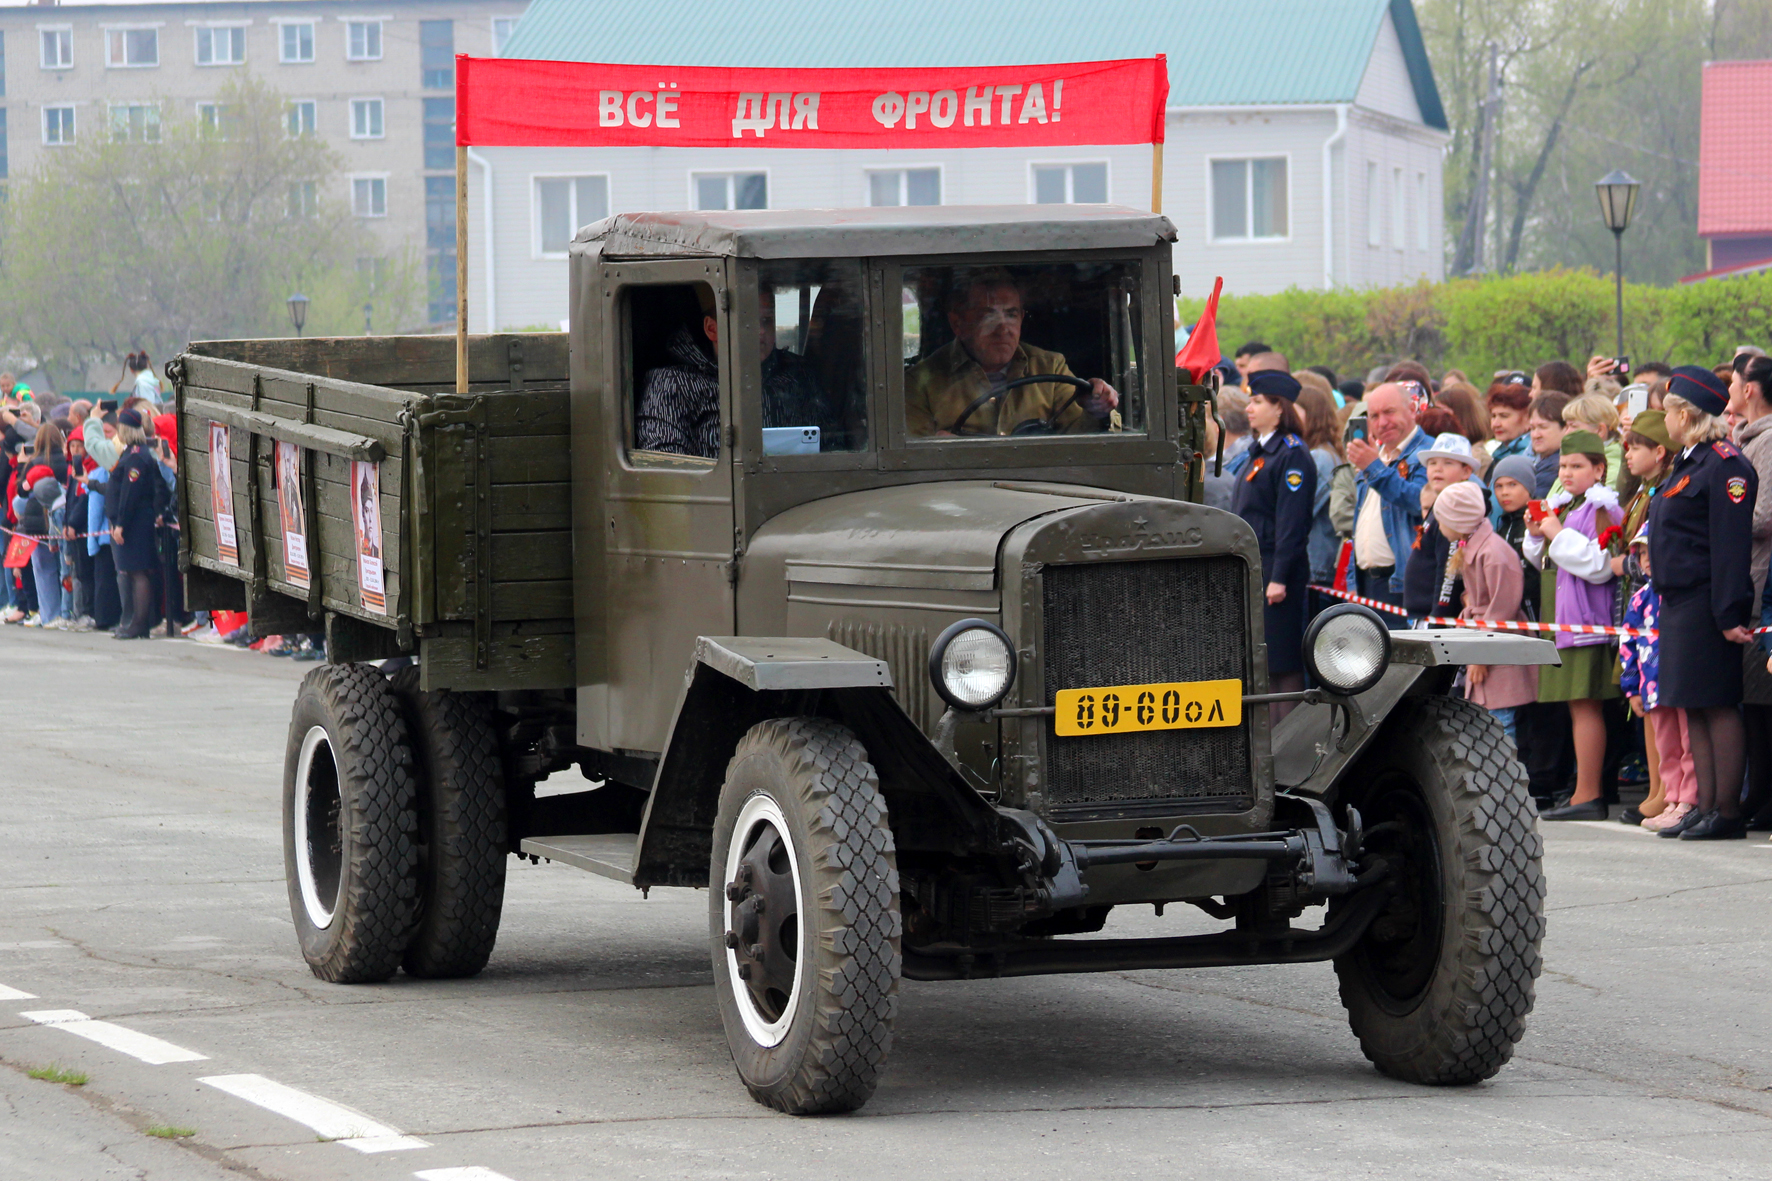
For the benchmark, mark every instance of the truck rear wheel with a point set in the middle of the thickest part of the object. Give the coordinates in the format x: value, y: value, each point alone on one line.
x: 348, y: 825
x: 803, y: 916
x: 1438, y: 988
x: 461, y: 837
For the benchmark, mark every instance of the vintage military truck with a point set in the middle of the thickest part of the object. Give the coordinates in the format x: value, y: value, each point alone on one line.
x: 920, y: 670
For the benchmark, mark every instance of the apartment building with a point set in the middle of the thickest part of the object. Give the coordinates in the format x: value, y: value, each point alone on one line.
x: 375, y: 80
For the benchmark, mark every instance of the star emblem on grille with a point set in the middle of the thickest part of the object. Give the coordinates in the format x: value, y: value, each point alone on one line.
x: 1140, y: 522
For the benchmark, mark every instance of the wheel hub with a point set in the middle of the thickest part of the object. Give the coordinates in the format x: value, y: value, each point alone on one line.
x: 763, y: 921
x: 319, y: 835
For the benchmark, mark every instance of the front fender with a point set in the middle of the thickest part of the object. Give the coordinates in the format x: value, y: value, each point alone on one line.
x: 1317, y: 746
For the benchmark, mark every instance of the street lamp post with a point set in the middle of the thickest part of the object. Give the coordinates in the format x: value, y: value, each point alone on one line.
x: 1617, y: 191
x: 298, y: 311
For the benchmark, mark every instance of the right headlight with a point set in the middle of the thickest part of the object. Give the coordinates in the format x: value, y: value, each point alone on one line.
x: 972, y: 664
x: 1347, y: 648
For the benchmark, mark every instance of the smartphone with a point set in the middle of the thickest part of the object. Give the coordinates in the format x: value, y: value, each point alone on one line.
x: 1356, y: 428
x: 107, y: 405
x: 1620, y: 367
x: 1636, y: 399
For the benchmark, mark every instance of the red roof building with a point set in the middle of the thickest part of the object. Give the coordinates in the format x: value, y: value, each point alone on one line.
x: 1735, y: 168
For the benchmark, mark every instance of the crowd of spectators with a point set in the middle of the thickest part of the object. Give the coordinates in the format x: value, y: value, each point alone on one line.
x: 90, y: 522
x: 1598, y: 499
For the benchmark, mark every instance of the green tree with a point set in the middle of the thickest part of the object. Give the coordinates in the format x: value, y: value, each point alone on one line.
x: 155, y: 235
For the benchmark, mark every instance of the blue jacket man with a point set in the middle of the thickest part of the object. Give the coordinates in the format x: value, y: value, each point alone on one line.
x: 1396, y: 477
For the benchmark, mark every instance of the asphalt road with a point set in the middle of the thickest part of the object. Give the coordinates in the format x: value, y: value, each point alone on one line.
x: 143, y: 889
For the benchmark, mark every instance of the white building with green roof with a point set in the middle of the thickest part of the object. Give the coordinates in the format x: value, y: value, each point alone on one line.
x: 1305, y: 137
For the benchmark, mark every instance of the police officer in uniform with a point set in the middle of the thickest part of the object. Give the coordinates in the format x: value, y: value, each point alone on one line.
x: 135, y: 498
x: 1700, y: 539
x: 1276, y: 494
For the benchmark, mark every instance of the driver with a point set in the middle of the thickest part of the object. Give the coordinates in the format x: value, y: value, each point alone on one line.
x: 985, y: 355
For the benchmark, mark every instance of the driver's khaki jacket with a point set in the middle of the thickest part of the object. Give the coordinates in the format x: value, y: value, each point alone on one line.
x: 944, y: 383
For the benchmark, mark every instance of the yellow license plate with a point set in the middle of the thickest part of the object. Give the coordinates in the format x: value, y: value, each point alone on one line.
x: 1126, y: 709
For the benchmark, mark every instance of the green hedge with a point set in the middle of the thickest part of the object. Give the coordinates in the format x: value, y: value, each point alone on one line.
x: 1484, y: 325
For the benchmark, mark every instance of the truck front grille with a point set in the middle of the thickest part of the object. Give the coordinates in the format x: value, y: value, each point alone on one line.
x: 1135, y: 623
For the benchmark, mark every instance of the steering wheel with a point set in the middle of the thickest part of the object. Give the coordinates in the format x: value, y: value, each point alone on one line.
x: 1029, y: 426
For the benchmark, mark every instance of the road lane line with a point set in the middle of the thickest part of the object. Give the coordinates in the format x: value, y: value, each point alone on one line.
x: 469, y: 1173
x: 151, y: 1050
x: 329, y: 1120
x: 36, y: 945
x: 13, y: 994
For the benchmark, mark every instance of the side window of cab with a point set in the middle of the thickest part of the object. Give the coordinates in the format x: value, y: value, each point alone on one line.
x: 671, y: 335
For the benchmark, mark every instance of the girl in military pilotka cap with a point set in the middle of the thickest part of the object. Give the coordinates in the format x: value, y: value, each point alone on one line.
x: 1571, y: 539
x: 1648, y: 454
x: 1700, y: 548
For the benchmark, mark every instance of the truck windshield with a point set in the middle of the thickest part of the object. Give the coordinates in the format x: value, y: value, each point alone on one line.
x: 814, y: 375
x: 977, y: 340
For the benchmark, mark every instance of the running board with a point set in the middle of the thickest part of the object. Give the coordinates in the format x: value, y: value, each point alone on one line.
x: 609, y: 854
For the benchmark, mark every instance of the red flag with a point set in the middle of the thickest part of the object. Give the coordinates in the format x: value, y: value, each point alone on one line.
x: 1201, y: 351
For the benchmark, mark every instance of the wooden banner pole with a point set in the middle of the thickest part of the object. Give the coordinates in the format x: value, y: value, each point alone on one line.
x: 1156, y: 178
x: 461, y: 269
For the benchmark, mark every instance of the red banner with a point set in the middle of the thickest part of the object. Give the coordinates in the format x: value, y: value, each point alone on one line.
x: 517, y: 103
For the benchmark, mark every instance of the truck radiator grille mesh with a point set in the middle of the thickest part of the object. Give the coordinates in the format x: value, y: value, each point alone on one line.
x: 1109, y: 623
x: 906, y: 652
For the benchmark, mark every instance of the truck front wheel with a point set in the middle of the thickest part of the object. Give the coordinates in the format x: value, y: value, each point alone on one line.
x: 1438, y: 988
x: 348, y: 825
x: 803, y: 916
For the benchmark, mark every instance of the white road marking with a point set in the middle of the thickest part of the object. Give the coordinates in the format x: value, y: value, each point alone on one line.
x: 13, y: 994
x: 151, y: 1050
x: 469, y: 1173
x: 330, y: 1120
x: 36, y: 945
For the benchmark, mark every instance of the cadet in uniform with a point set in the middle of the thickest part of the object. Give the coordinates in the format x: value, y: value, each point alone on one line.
x: 135, y: 497
x: 1700, y: 541
x: 1276, y: 494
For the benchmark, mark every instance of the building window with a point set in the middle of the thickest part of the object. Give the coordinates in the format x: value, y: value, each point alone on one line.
x: 905, y: 186
x: 304, y: 200
x: 366, y: 122
x: 221, y: 47
x: 295, y: 43
x: 57, y: 48
x: 502, y: 28
x: 1421, y: 214
x: 3, y: 172
x: 369, y: 196
x: 436, y: 54
x: 304, y: 116
x: 1374, y: 222
x: 58, y: 125
x: 1249, y: 199
x: 132, y: 48
x: 136, y: 123
x: 213, y: 117
x: 731, y: 190
x: 440, y: 247
x: 564, y: 203
x: 363, y: 41
x: 1398, y: 209
x: 1070, y: 184
x: 439, y: 133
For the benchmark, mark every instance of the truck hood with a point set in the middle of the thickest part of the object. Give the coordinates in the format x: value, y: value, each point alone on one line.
x: 932, y: 537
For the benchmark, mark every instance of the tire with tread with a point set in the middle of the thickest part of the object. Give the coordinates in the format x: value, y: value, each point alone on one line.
x: 1461, y: 1024
x: 461, y: 836
x: 830, y: 1058
x: 369, y: 762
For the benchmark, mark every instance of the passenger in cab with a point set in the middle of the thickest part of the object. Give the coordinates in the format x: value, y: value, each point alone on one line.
x: 986, y: 354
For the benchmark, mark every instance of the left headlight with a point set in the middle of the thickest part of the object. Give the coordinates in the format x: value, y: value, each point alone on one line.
x: 1347, y: 648
x: 972, y: 664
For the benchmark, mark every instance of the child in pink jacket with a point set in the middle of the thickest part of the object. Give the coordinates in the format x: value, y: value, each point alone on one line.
x: 1493, y: 587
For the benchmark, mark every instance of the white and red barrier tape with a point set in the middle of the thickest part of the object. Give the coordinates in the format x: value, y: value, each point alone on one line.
x: 173, y: 525
x: 1511, y: 625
